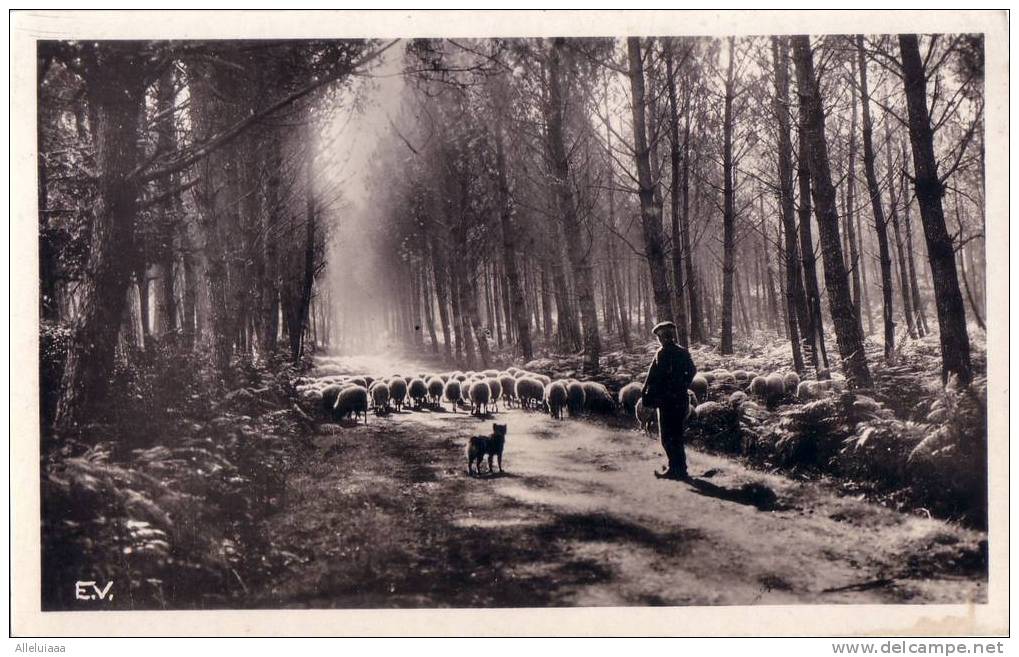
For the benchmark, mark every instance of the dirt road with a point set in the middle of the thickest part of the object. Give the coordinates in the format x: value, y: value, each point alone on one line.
x: 386, y: 516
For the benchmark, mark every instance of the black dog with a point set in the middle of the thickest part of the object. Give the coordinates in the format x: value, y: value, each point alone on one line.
x: 478, y: 447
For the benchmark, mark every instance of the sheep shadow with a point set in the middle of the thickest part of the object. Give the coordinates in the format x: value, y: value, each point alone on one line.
x: 754, y: 494
x: 423, y: 408
x: 440, y: 409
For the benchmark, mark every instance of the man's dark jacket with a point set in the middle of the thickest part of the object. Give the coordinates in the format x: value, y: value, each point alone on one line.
x: 669, y: 377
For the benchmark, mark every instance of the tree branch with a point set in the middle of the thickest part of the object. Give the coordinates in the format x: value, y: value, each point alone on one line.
x: 231, y: 133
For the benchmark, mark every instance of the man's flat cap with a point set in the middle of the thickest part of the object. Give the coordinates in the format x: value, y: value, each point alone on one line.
x: 661, y: 326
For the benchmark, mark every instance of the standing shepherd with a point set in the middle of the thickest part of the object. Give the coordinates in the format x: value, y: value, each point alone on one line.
x: 665, y: 388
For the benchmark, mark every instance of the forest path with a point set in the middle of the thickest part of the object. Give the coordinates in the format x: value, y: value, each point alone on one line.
x: 386, y: 516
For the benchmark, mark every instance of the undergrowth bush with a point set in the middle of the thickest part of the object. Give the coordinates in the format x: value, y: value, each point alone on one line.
x: 165, y: 493
x: 948, y: 469
x: 878, y: 450
x: 716, y: 427
x: 938, y: 462
x: 152, y: 391
x: 129, y: 523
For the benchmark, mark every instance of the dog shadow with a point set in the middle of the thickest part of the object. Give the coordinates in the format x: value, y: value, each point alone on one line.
x: 492, y: 475
x: 754, y: 494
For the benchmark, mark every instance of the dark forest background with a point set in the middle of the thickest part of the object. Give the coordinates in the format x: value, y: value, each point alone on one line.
x: 817, y: 199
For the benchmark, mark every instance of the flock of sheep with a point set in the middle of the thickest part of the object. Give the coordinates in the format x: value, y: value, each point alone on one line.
x: 344, y: 396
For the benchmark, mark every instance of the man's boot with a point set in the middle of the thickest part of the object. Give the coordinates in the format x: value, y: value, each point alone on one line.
x: 676, y: 470
x: 678, y: 460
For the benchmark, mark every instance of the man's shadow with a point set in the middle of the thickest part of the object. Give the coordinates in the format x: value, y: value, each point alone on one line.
x: 753, y: 494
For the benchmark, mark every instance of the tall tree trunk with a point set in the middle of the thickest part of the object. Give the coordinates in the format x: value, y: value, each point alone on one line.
x: 918, y: 305
x: 865, y: 294
x: 978, y: 268
x: 619, y: 315
x: 308, y: 278
x: 907, y: 303
x: 487, y: 284
x: 413, y: 291
x: 649, y: 316
x: 851, y: 238
x: 626, y: 291
x: 848, y: 334
x: 166, y: 142
x: 130, y: 328
x: 729, y: 207
x: 115, y: 87
x: 577, y: 251
x: 739, y: 283
x: 441, y: 295
x: 768, y: 298
x: 471, y: 303
x: 497, y: 306
x: 756, y: 292
x: 796, y: 301
x: 622, y: 316
x: 269, y: 286
x: 963, y: 251
x: 813, y: 334
x: 141, y: 278
x: 784, y: 310
x: 654, y: 133
x: 650, y: 213
x: 969, y: 293
x: 292, y: 314
x: 955, y: 356
x: 638, y: 286
x: 465, y: 325
x: 209, y: 113
x: 507, y: 309
x: 189, y: 299
x: 566, y: 336
x: 880, y: 224
x: 509, y: 247
x: 456, y: 316
x: 601, y: 283
x: 769, y: 289
x: 709, y: 304
x: 426, y: 302
x: 567, y: 328
x: 678, y: 253
x: 693, y: 289
x: 312, y: 325
x: 545, y: 305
